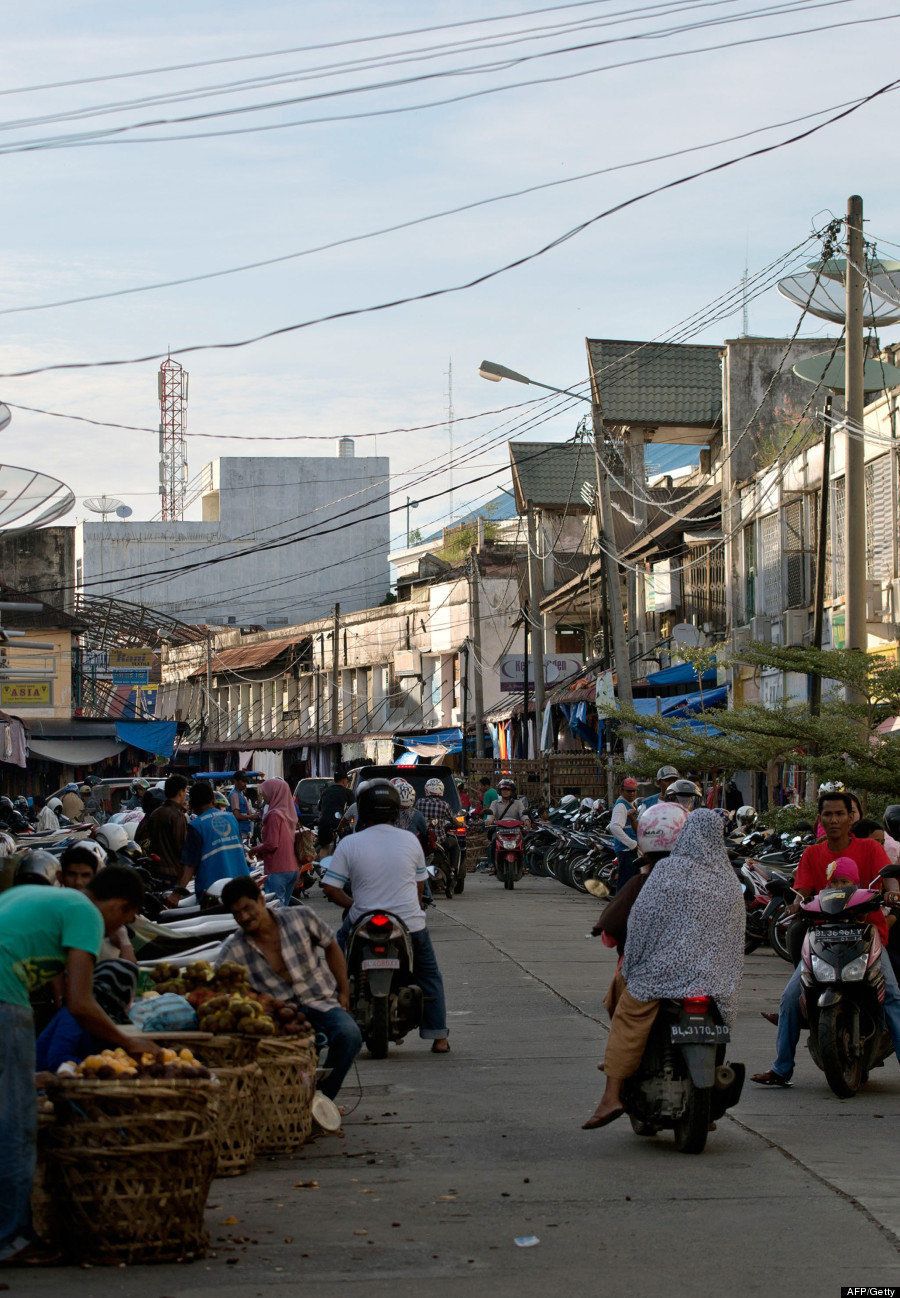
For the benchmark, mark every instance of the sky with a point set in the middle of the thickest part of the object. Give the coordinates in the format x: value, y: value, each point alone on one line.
x: 103, y: 217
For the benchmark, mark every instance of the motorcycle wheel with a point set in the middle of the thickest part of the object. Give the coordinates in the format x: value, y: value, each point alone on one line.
x: 642, y: 1128
x: 844, y: 1076
x: 581, y: 870
x: 378, y: 1037
x: 778, y: 938
x: 460, y: 878
x: 692, y: 1128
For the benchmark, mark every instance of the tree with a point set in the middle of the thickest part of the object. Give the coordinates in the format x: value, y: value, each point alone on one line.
x: 841, y: 743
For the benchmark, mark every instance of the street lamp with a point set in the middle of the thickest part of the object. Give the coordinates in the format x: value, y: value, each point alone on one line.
x: 410, y: 504
x: 609, y: 552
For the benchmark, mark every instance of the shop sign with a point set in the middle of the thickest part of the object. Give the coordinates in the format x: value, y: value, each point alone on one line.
x: 556, y: 668
x: 25, y: 694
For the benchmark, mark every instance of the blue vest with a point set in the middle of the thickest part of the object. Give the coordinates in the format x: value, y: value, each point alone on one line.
x: 223, y: 852
x: 623, y: 847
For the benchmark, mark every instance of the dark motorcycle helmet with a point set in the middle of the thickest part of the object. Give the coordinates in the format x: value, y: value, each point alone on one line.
x: 892, y: 819
x: 38, y: 866
x: 377, y: 802
x: 685, y: 792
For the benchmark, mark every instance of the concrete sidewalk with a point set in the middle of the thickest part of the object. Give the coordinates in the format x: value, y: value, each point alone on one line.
x: 447, y: 1159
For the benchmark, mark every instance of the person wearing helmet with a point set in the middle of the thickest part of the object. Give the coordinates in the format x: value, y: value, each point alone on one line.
x: 112, y: 838
x: 384, y: 869
x: 12, y: 820
x: 80, y: 862
x: 745, y: 818
x: 45, y: 931
x: 507, y: 805
x: 47, y: 819
x: 622, y: 824
x: 409, y: 817
x: 664, y: 777
x: 436, y: 812
x: 37, y: 866
x: 138, y: 788
x: 685, y: 792
x: 658, y: 828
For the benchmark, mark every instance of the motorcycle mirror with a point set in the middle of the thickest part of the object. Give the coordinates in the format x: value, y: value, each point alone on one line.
x: 891, y: 871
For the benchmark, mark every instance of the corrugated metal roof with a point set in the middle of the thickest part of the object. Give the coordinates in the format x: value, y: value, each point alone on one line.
x: 249, y: 657
x: 552, y: 474
x: 657, y: 384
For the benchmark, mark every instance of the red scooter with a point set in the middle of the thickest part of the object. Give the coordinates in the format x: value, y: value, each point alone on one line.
x: 509, y: 852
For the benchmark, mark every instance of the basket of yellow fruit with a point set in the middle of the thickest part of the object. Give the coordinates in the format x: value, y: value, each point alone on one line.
x: 131, y: 1154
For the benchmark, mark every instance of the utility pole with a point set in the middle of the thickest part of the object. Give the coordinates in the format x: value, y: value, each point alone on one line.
x: 815, y: 683
x: 319, y: 668
x: 475, y: 601
x: 855, y: 454
x: 335, y: 699
x: 463, y: 757
x: 525, y: 709
x: 208, y: 684
x: 610, y: 554
x: 535, y: 592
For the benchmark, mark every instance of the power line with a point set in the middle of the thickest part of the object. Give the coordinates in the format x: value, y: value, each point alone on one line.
x: 478, y: 280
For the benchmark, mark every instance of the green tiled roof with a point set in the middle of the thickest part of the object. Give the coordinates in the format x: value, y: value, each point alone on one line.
x: 657, y: 384
x: 551, y: 474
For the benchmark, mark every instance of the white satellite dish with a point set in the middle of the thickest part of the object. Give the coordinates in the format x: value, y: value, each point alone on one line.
x: 102, y: 505
x: 685, y: 633
x: 124, y: 511
x: 826, y: 299
x: 30, y: 499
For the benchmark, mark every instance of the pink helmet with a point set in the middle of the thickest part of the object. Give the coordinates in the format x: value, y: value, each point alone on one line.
x: 659, y: 826
x: 844, y: 867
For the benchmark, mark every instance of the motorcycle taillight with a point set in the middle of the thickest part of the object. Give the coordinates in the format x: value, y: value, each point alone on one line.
x: 696, y: 1004
x: 379, y: 950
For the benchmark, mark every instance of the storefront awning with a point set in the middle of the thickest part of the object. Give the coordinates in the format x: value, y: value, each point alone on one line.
x: 435, y: 744
x: 682, y: 674
x: 74, y: 752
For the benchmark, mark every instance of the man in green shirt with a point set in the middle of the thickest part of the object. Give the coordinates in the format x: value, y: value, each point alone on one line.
x: 45, y: 931
x: 489, y: 794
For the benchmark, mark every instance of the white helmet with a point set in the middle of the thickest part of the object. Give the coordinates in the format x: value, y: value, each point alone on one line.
x: 406, y: 791
x: 112, y: 837
x: 667, y: 773
x: 434, y: 788
x: 89, y: 845
x: 587, y: 804
x: 659, y: 826
x: 568, y: 801
x: 7, y: 845
x: 745, y: 814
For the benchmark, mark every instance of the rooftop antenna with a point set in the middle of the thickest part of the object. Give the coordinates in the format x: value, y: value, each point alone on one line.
x: 450, y: 419
x: 745, y: 315
x: 173, y: 467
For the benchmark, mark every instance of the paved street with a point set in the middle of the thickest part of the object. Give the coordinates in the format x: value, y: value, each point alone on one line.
x: 446, y: 1161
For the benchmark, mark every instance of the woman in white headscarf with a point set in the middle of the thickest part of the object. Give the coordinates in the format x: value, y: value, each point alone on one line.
x: 685, y: 938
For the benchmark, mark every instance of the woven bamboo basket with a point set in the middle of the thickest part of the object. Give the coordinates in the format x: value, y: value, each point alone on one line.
x: 227, y: 1050
x: 286, y: 1085
x: 129, y: 1167
x: 234, y: 1130
x: 44, y: 1216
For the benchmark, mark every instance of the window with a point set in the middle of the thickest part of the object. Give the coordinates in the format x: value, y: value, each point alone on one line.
x: 770, y: 564
x: 797, y: 559
x: 879, y: 531
x: 749, y: 572
x: 836, y: 531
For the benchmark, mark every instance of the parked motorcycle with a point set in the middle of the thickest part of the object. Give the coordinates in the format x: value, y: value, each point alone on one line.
x: 384, y: 999
x: 843, y: 985
x: 683, y: 1083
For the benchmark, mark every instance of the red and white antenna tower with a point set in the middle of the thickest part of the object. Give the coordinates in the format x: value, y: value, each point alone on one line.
x: 173, y: 468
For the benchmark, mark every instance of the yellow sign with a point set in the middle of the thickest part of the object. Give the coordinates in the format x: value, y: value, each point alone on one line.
x: 25, y: 694
x: 120, y: 659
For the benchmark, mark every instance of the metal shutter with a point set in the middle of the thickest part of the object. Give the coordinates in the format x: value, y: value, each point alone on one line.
x: 879, y: 540
x: 770, y: 563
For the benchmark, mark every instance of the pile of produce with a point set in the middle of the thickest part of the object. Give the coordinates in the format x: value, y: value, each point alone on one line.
x: 225, y: 1003
x: 116, y: 1065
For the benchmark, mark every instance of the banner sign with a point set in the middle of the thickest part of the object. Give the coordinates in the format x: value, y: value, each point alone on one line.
x: 130, y: 658
x: 556, y: 668
x: 25, y: 694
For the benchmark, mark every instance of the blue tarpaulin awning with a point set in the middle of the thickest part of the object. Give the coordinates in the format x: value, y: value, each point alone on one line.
x: 683, y: 674
x: 683, y: 703
x: 156, y: 737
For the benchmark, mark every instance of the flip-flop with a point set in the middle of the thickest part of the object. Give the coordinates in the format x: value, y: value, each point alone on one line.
x: 593, y: 1124
x: 435, y: 1051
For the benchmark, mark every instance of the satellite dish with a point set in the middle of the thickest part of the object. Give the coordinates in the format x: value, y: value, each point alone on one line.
x: 124, y: 511
x: 102, y: 505
x: 30, y: 499
x: 685, y: 633
x: 828, y: 369
x: 826, y: 298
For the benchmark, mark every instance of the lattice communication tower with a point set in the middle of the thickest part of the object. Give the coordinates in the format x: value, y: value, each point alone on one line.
x: 173, y: 468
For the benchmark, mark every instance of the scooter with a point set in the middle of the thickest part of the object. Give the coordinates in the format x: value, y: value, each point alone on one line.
x: 843, y: 985
x: 683, y: 1083
x: 385, y: 1001
x: 509, y: 852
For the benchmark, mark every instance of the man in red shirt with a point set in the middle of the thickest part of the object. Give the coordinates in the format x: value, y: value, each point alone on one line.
x: 835, y: 811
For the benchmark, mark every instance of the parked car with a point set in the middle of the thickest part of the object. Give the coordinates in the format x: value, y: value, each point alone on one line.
x: 111, y: 792
x: 306, y: 796
x: 417, y: 777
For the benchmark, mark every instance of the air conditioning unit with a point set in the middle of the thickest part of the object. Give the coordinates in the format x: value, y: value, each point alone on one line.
x: 794, y: 626
x: 761, y: 629
x: 873, y: 601
x: 407, y: 662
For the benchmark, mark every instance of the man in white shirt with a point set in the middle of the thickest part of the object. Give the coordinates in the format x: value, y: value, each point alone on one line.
x: 623, y: 827
x: 384, y: 869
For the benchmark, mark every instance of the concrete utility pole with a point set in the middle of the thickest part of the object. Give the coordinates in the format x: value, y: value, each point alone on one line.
x: 855, y: 456
x: 535, y: 617
x: 464, y: 755
x: 209, y: 697
x: 335, y: 676
x: 475, y: 601
x: 610, y: 556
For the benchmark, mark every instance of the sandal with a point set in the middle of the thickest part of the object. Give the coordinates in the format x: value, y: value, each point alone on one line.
x: 435, y: 1048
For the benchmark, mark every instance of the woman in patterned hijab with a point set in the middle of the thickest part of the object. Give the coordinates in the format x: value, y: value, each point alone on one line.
x: 685, y: 937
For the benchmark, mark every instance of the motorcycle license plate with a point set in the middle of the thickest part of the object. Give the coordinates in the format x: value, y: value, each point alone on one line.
x: 843, y: 934
x: 381, y: 964
x: 699, y: 1034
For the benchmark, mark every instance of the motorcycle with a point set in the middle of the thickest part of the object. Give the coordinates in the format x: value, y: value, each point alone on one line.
x: 843, y: 985
x: 384, y: 999
x: 683, y: 1083
x: 441, y: 864
x: 509, y: 852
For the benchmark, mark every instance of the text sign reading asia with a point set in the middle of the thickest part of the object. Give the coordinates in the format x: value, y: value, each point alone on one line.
x: 25, y: 694
x: 512, y: 670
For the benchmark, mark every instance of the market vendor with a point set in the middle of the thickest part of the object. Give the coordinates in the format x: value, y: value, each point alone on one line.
x: 291, y: 954
x: 45, y: 930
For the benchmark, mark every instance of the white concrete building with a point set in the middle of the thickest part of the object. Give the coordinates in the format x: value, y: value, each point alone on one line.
x: 250, y: 505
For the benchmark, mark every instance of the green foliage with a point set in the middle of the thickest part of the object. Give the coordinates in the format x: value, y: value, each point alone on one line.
x: 415, y: 536
x: 840, y: 743
x: 459, y: 542
x: 785, y: 820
